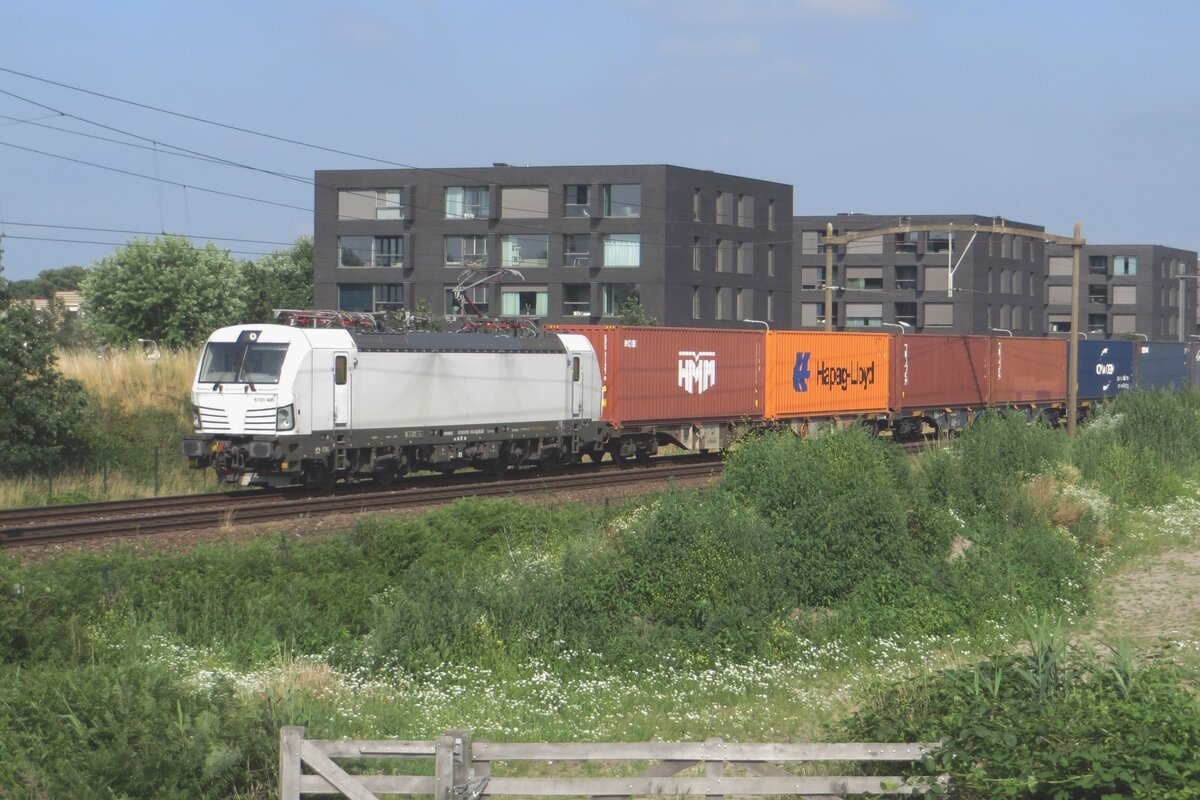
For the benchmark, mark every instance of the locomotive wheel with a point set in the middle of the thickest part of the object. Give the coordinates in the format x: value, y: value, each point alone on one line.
x: 385, y: 474
x: 318, y: 476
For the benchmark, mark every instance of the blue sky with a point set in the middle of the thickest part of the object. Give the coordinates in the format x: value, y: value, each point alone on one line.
x: 1049, y: 113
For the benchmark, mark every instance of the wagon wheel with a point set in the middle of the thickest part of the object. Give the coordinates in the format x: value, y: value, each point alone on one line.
x: 318, y: 476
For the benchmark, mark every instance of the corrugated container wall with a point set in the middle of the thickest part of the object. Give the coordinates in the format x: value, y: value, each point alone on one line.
x: 1194, y: 365
x: 936, y: 371
x: 1027, y: 370
x: 1105, y: 369
x: 1161, y: 365
x: 676, y: 374
x: 821, y: 374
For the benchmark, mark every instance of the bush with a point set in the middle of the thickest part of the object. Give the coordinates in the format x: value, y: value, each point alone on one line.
x: 998, y: 453
x: 1048, y: 722
x: 839, y: 499
x: 129, y: 730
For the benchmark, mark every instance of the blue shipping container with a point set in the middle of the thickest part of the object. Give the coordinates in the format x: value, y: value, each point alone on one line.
x: 1105, y: 369
x: 1162, y: 365
x: 1194, y: 360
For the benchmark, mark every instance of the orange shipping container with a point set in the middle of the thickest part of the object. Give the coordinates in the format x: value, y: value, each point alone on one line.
x: 817, y: 374
x: 653, y: 375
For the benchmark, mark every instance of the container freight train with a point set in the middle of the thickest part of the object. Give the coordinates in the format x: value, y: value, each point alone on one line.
x: 278, y: 405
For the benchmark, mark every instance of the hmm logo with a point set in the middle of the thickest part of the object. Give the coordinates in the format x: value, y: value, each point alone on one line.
x: 697, y: 371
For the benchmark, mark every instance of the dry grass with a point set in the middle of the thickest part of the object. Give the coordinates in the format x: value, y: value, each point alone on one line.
x: 124, y: 380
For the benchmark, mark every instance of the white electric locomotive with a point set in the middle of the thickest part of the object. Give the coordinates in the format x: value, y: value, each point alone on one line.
x: 277, y: 405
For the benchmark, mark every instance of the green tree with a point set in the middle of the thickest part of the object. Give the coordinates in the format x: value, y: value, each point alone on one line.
x: 41, y: 412
x: 163, y: 289
x: 631, y: 312
x: 283, y: 279
x: 49, y: 281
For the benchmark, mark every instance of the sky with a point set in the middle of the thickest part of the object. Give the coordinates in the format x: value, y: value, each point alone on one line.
x: 1048, y: 113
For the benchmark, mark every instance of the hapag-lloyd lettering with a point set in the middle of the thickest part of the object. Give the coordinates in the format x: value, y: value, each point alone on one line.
x: 838, y: 376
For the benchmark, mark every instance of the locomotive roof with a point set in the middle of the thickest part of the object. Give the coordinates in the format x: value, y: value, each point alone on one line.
x: 455, y: 342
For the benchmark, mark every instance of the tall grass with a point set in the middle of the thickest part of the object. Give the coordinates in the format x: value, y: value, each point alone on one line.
x: 138, y: 411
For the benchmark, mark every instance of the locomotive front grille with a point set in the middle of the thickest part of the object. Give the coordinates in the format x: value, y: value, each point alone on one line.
x: 213, y: 419
x: 260, y: 420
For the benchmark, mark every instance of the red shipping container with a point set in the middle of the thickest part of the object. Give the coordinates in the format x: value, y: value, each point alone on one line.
x: 652, y: 374
x: 1027, y: 370
x: 818, y: 374
x: 936, y: 371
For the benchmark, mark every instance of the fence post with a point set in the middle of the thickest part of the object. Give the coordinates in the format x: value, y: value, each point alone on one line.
x: 714, y: 767
x: 464, y: 773
x: 443, y: 768
x: 290, y: 737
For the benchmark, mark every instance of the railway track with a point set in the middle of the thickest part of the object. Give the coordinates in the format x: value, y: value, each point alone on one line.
x: 58, y: 524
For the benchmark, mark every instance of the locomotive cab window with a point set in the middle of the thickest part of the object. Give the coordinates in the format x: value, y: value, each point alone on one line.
x: 242, y: 362
x: 339, y: 371
x: 575, y: 369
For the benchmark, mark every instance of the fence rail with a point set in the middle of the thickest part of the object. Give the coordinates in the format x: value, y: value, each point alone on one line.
x: 463, y: 769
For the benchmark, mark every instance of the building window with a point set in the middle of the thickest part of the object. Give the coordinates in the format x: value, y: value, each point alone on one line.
x: 725, y: 208
x: 1124, y: 295
x: 1018, y: 244
x: 1097, y: 265
x: 466, y: 251
x: 937, y: 279
x: 1061, y: 266
x: 906, y: 278
x: 577, y: 200
x: 612, y: 295
x: 370, y: 251
x: 463, y: 305
x: 724, y: 255
x: 1059, y: 295
x: 356, y: 251
x: 864, y: 315
x: 1097, y: 323
x: 524, y: 301
x: 746, y: 211
x: 529, y: 250
x: 1060, y: 323
x: 467, y: 202
x: 809, y: 243
x: 696, y: 253
x: 770, y: 306
x: 695, y: 302
x: 364, y: 297
x: 1005, y: 283
x: 577, y: 300
x: 1097, y: 292
x: 745, y: 303
x: 939, y: 315
x: 771, y: 261
x: 623, y: 250
x: 812, y: 277
x: 1016, y: 283
x: 745, y: 258
x: 695, y: 206
x: 907, y: 313
x: 937, y: 241
x: 770, y: 215
x: 370, y: 204
x: 1124, y: 265
x: 905, y: 242
x: 1123, y: 323
x: 864, y: 278
x: 623, y: 200
x: 577, y: 249
x: 524, y: 202
x: 725, y: 302
x: 813, y: 314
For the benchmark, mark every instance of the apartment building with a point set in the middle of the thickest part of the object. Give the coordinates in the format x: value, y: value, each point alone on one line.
x: 695, y: 246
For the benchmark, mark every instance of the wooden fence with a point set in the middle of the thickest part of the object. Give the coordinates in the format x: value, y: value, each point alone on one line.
x: 462, y: 769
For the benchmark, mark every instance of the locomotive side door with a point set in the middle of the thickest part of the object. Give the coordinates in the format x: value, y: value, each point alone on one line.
x: 576, y: 387
x: 341, y: 389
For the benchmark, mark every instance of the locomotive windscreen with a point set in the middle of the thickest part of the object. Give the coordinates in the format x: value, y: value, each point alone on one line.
x: 242, y: 362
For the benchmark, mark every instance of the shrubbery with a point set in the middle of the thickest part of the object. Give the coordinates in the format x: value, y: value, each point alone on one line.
x: 1048, y: 722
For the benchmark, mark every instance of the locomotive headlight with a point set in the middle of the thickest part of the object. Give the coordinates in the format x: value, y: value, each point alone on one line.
x: 195, y: 418
x: 285, y: 419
